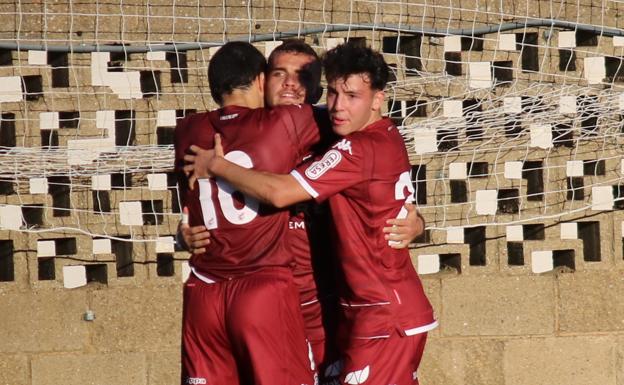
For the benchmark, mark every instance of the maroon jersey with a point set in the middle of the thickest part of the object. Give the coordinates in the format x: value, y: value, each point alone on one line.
x: 246, y: 235
x: 366, y: 178
x: 300, y: 245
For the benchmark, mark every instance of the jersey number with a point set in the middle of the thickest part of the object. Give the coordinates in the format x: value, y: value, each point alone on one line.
x: 224, y: 195
x: 404, y: 182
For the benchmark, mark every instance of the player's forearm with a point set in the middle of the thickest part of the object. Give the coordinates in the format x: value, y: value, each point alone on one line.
x: 274, y: 189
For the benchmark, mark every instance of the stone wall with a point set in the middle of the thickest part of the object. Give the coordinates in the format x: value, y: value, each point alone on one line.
x: 519, y: 184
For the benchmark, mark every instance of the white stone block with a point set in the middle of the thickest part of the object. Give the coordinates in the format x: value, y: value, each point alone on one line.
x: 165, y: 245
x: 131, y: 213
x: 186, y: 271
x: 11, y: 89
x: 507, y: 41
x: 621, y: 102
x: 622, y: 166
x: 166, y: 118
x: 102, y: 246
x: 127, y: 85
x: 486, y: 202
x: 458, y: 171
x: 480, y: 74
x: 574, y: 168
x: 157, y: 182
x: 37, y: 58
x: 453, y: 108
x: 542, y: 261
x: 452, y: 43
x: 455, y: 235
x: 513, y: 170
x: 74, y: 276
x: 105, y: 120
x: 49, y: 120
x: 618, y: 41
x: 101, y: 182
x: 569, y: 230
x: 512, y: 105
x: 425, y: 140
x: 156, y: 55
x: 85, y: 151
x: 99, y: 68
x: 10, y: 217
x: 212, y: 51
x: 514, y: 233
x: 595, y: 70
x: 332, y: 42
x: 46, y: 248
x: 38, y: 185
x: 541, y: 135
x: 602, y: 198
x: 567, y: 104
x: 622, y: 229
x: 428, y: 264
x: 567, y: 39
x: 269, y: 46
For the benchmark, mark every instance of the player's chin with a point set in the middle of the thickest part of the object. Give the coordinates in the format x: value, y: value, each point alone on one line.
x: 342, y: 128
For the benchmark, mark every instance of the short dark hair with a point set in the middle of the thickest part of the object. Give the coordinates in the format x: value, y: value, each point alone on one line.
x: 352, y: 58
x: 310, y: 76
x: 234, y: 66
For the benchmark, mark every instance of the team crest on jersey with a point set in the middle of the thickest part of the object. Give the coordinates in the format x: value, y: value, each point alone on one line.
x: 344, y: 145
x: 320, y: 167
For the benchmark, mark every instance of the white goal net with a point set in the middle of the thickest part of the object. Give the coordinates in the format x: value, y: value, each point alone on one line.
x: 511, y: 112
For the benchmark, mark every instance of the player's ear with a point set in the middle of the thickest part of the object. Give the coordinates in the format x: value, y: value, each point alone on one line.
x: 260, y: 80
x: 378, y: 99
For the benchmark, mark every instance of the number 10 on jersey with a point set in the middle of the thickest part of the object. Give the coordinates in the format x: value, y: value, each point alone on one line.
x: 225, y: 200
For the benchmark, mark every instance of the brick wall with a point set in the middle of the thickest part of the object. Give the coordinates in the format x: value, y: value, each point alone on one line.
x: 522, y: 262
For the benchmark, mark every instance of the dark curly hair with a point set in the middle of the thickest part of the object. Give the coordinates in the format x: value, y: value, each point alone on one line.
x: 352, y: 58
x: 234, y: 66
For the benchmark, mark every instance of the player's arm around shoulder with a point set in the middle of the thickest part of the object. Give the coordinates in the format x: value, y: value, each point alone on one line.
x: 279, y: 190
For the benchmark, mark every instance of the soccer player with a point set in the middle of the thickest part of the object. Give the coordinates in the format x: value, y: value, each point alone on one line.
x: 365, y: 177
x: 241, y: 317
x: 293, y: 77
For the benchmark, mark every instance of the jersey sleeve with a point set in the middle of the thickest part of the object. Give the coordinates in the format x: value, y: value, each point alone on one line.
x: 344, y: 165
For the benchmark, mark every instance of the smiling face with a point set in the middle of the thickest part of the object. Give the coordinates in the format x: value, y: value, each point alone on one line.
x: 353, y: 104
x: 283, y: 83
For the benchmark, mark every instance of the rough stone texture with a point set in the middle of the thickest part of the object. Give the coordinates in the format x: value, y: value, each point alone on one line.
x: 432, y: 290
x: 459, y: 362
x: 481, y: 306
x: 500, y: 323
x: 137, y: 319
x: 14, y: 370
x: 94, y: 369
x: 561, y: 361
x: 619, y: 364
x: 591, y: 302
x: 41, y: 321
x: 163, y: 367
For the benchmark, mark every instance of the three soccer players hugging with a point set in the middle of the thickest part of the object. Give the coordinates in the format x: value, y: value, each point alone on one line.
x: 299, y: 218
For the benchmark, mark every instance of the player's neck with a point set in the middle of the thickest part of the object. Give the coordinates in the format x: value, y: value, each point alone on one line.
x: 374, y: 118
x: 243, y: 98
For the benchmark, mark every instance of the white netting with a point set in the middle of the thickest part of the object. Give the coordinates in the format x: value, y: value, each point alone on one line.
x: 511, y: 111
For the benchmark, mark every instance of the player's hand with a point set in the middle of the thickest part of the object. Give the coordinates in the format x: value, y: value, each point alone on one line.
x: 199, y: 161
x: 195, y: 238
x: 403, y: 231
